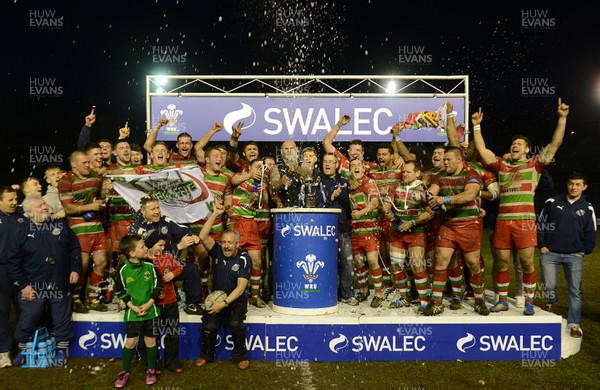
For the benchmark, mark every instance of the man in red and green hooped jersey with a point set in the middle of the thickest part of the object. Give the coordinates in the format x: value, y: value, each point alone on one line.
x: 219, y: 185
x: 80, y: 194
x: 365, y: 232
x: 355, y: 149
x: 457, y: 189
x: 515, y: 227
x: 248, y: 193
x: 407, y: 236
x: 387, y: 177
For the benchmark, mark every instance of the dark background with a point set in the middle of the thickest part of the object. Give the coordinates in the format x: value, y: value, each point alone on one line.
x: 102, y: 51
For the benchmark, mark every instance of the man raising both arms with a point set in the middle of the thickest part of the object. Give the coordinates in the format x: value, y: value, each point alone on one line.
x: 518, y: 177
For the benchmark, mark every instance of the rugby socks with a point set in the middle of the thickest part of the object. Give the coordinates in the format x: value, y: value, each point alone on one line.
x: 377, y: 278
x: 477, y: 284
x: 503, y: 281
x: 254, y: 282
x: 95, y: 280
x: 127, y: 358
x: 456, y: 280
x: 361, y: 278
x: 400, y: 283
x: 421, y: 282
x: 439, y: 282
x: 151, y: 353
x: 529, y: 286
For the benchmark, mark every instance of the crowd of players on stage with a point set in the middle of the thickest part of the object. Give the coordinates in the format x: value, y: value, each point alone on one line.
x: 409, y: 231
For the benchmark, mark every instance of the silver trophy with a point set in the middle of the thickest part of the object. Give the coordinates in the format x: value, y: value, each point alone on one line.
x: 310, y: 190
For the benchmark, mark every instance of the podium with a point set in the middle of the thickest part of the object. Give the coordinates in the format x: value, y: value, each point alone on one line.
x: 305, y: 260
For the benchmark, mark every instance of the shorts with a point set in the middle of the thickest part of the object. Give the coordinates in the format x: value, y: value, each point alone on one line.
x: 432, y: 231
x: 386, y: 229
x: 264, y: 229
x: 92, y: 242
x: 365, y: 243
x: 249, y: 238
x: 405, y: 240
x: 517, y: 234
x: 465, y: 236
x: 149, y: 327
x: 118, y: 230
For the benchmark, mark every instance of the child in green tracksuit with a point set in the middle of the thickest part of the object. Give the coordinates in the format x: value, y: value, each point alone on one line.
x: 138, y: 285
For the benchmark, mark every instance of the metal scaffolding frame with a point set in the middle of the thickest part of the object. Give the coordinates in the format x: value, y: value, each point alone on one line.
x: 308, y: 86
x: 296, y: 86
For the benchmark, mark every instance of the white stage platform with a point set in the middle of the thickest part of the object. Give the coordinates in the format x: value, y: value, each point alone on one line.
x: 360, y: 333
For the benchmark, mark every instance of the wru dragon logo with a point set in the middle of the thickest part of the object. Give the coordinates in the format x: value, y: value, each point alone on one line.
x: 310, y: 267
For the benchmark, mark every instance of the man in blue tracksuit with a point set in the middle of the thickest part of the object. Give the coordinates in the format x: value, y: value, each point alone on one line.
x: 566, y: 233
x: 8, y: 291
x: 43, y: 260
x: 333, y: 193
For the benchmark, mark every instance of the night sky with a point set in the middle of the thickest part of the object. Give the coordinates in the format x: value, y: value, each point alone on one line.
x: 98, y: 53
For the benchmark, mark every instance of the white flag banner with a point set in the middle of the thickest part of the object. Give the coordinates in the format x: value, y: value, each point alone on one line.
x: 182, y: 193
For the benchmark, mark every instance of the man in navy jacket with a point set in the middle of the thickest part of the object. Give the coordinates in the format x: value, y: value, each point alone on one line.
x: 43, y: 260
x: 566, y: 233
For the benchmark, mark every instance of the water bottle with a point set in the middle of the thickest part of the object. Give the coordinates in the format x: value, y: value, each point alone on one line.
x: 28, y: 352
x: 42, y: 354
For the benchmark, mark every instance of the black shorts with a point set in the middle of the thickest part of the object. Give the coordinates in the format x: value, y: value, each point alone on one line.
x: 150, y: 328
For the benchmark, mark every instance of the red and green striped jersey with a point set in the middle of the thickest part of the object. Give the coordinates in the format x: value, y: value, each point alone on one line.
x: 245, y: 200
x: 359, y: 199
x: 73, y: 190
x: 387, y: 179
x: 220, y: 186
x: 409, y: 202
x: 453, y: 185
x: 518, y: 182
x: 117, y: 207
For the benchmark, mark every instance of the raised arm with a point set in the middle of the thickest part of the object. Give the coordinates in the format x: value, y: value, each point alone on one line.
x: 202, y: 142
x: 487, y: 156
x: 86, y: 131
x: 547, y: 154
x: 151, y: 138
x: 234, y: 154
x: 399, y: 145
x: 330, y: 137
x: 451, y: 131
x: 204, y: 235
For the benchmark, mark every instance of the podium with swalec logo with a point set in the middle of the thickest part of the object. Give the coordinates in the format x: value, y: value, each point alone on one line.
x: 305, y: 260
